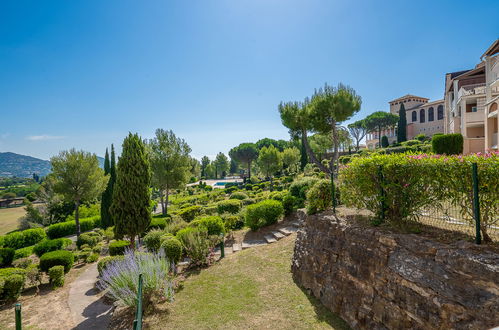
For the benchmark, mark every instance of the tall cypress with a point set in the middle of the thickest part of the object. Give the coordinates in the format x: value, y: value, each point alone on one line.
x: 402, y: 125
x: 130, y: 205
x: 106, y: 197
x: 112, y: 181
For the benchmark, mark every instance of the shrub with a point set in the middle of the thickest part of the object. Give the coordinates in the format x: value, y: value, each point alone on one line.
x: 448, y: 144
x: 152, y: 240
x: 22, y: 263
x: 56, y: 275
x: 13, y: 285
x: 90, y: 239
x: 175, y: 225
x: 6, y: 256
x: 288, y: 203
x: 20, y: 239
x: 319, y: 196
x: 249, y: 201
x: 57, y: 258
x: 209, y: 210
x: 299, y: 187
x: 189, y: 213
x: 104, y: 262
x: 213, y: 224
x: 195, y: 243
x: 157, y: 223
x: 420, y: 137
x: 69, y: 227
x: 232, y: 221
x: 51, y: 245
x: 93, y: 257
x: 410, y: 143
x: 229, y: 206
x: 263, y: 213
x: 172, y: 248
x: 384, y: 142
x: 118, y: 247
x: 238, y: 195
x: 119, y: 278
x: 24, y: 252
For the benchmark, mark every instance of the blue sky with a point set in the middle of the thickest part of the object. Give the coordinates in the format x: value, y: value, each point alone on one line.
x: 84, y: 73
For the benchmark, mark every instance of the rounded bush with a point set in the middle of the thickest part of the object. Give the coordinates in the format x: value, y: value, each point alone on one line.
x: 90, y: 239
x: 93, y: 257
x: 6, y: 256
x: 263, y: 213
x: 213, y: 224
x: 189, y: 213
x: 319, y: 196
x: 232, y: 221
x: 238, y: 195
x: 173, y: 249
x: 56, y: 275
x: 118, y: 247
x: 24, y: 252
x: 152, y: 240
x: 299, y: 187
x: 448, y: 144
x: 157, y: 223
x: 57, y: 258
x: 229, y: 206
x: 249, y: 201
x: 288, y: 203
x: 51, y: 245
x: 12, y: 287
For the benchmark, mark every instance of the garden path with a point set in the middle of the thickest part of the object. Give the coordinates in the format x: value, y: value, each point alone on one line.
x: 88, y: 309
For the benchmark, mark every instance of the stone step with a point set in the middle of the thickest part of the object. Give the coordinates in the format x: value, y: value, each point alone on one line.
x: 270, y: 239
x: 296, y: 223
x: 277, y: 235
x: 236, y: 247
x: 285, y: 231
x: 253, y: 243
x: 291, y: 229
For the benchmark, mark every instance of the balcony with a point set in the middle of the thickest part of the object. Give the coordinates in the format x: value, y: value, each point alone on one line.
x: 470, y: 90
x: 477, y: 117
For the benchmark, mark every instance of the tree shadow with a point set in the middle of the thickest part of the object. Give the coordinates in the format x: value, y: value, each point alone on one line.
x: 97, y: 315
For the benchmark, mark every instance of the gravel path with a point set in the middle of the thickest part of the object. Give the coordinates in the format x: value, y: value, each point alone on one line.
x: 86, y: 304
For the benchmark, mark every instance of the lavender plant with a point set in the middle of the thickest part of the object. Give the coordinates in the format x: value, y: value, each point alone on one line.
x: 120, y: 277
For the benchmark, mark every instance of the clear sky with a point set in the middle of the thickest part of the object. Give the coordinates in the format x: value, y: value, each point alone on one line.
x: 84, y: 73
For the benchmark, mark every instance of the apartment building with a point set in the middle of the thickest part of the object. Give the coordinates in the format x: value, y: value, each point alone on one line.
x: 471, y: 102
x: 423, y: 117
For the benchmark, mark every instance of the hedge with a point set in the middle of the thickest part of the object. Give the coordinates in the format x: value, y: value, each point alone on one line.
x: 213, y: 224
x: 68, y: 228
x: 6, y: 256
x: 91, y: 239
x: 56, y: 276
x: 173, y: 249
x: 448, y: 144
x: 152, y: 240
x: 57, y: 258
x: 229, y: 206
x: 263, y: 213
x: 24, y: 252
x: 11, y: 283
x: 20, y: 239
x: 51, y: 245
x: 157, y: 223
x: 319, y: 196
x: 189, y: 213
x: 118, y: 247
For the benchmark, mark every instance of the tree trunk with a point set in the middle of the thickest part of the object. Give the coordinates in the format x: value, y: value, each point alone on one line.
x: 334, y: 137
x: 162, y: 199
x: 379, y: 136
x: 132, y: 242
x: 166, y: 201
x: 77, y: 218
x: 249, y: 170
x: 311, y: 154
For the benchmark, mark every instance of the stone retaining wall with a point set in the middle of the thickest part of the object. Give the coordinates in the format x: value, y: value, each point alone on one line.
x: 379, y: 280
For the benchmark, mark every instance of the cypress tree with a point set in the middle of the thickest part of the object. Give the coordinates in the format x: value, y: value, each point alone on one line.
x: 402, y: 125
x: 130, y: 205
x: 106, y: 197
x: 112, y: 181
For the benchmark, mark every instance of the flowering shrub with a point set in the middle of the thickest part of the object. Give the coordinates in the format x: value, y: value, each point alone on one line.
x: 120, y: 277
x: 409, y: 183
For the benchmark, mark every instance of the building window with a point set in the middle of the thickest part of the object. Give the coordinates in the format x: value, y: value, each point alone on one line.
x: 431, y: 116
x: 414, y: 116
x: 421, y: 116
x: 440, y: 112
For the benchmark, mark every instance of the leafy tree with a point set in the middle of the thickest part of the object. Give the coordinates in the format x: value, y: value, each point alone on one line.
x: 402, y: 125
x: 131, y: 204
x: 344, y: 139
x: 221, y: 164
x: 266, y: 142
x: 78, y: 178
x: 384, y: 142
x: 195, y: 167
x: 358, y: 131
x: 320, y: 144
x: 205, y: 161
x: 379, y: 121
x: 291, y: 158
x: 269, y: 161
x: 234, y: 166
x: 210, y: 171
x: 245, y: 153
x: 170, y: 163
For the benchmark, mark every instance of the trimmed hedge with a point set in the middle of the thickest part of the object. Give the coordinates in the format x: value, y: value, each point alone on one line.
x: 91, y: 239
x: 118, y: 247
x: 189, y: 213
x: 157, y: 223
x: 69, y: 227
x: 263, y: 213
x: 173, y: 249
x: 229, y: 206
x: 51, y: 245
x: 56, y: 275
x: 238, y: 195
x: 213, y: 224
x: 152, y: 240
x: 20, y: 239
x: 24, y: 252
x: 11, y: 283
x: 448, y: 144
x: 6, y: 256
x: 57, y: 258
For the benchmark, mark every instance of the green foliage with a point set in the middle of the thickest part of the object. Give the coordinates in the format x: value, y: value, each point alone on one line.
x: 152, y: 240
x: 229, y: 206
x: 448, y: 144
x: 410, y: 143
x: 195, y: 243
x: 57, y: 258
x: 420, y: 137
x: 91, y: 239
x: 22, y: 263
x: 402, y: 125
x: 86, y: 211
x: 69, y: 227
x: 291, y: 159
x: 238, y: 195
x: 288, y: 203
x: 384, y: 141
x: 245, y: 153
x: 189, y: 213
x: 269, y: 160
x: 379, y: 121
x: 173, y: 249
x: 102, y: 264
x: 51, y: 245
x: 298, y: 188
x: 118, y: 247
x: 20, y: 239
x: 175, y: 225
x: 232, y: 221
x: 107, y: 195
x: 157, y: 223
x: 319, y: 196
x: 93, y: 257
x: 11, y: 283
x: 130, y: 207
x: 56, y: 275
x: 221, y: 164
x: 6, y: 256
x: 213, y: 224
x: 23, y: 252
x: 263, y: 214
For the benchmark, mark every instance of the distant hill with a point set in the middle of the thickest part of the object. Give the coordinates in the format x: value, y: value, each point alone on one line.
x: 12, y: 164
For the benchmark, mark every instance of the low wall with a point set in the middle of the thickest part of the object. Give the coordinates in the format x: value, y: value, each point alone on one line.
x: 379, y: 280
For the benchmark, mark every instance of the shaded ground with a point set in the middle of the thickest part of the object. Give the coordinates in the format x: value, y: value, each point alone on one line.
x: 252, y: 289
x: 9, y: 217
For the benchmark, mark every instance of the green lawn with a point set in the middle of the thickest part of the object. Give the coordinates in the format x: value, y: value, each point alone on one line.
x: 8, y: 218
x: 252, y: 289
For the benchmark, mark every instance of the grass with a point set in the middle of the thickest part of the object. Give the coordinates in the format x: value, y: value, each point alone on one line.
x: 9, y: 217
x: 252, y: 289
